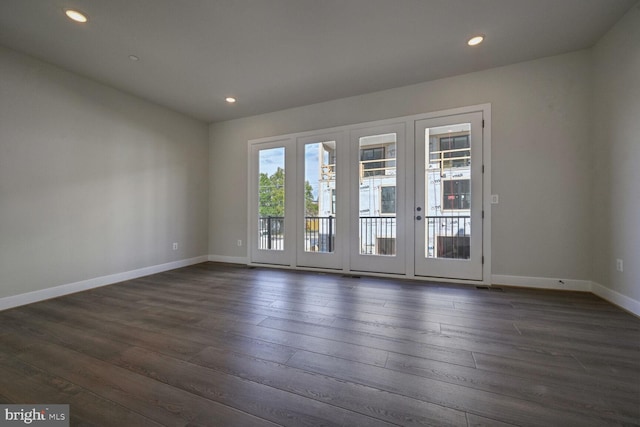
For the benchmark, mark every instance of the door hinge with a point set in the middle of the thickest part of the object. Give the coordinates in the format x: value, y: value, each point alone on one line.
x: 482, y: 214
x: 482, y: 168
x: 483, y: 259
x: 482, y: 123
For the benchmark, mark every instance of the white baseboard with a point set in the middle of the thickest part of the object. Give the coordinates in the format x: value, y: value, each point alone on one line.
x: 83, y: 285
x: 542, y: 282
x: 229, y: 259
x: 603, y: 292
x: 616, y: 298
x: 612, y: 296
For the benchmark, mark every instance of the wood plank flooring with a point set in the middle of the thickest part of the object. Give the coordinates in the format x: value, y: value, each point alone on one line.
x: 222, y: 345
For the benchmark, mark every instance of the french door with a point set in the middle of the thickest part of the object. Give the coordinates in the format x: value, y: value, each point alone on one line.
x: 272, y: 205
x: 320, y: 213
x: 375, y: 197
x: 297, y: 212
x: 448, y: 216
x: 377, y: 219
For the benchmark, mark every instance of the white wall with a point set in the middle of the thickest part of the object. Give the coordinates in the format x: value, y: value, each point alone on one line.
x: 616, y: 147
x: 540, y: 157
x: 93, y: 182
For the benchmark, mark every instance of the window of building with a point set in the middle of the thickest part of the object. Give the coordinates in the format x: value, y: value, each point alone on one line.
x: 372, y: 168
x: 388, y: 200
x: 457, y: 146
x: 454, y: 151
x: 456, y: 194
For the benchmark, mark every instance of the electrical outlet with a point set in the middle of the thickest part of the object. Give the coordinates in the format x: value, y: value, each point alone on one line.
x: 619, y: 265
x: 175, y: 246
x: 239, y: 242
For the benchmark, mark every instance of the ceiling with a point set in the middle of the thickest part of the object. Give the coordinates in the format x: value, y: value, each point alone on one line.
x: 277, y: 54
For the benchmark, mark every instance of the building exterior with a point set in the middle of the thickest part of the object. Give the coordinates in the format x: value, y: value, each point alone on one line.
x: 447, y: 187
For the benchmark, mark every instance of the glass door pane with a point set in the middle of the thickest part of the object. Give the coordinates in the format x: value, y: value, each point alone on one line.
x: 448, y: 216
x: 319, y: 206
x: 377, y: 194
x: 320, y: 202
x: 271, y: 199
x: 448, y: 192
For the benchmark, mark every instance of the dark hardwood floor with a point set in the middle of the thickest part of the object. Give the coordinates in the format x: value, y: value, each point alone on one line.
x: 216, y: 344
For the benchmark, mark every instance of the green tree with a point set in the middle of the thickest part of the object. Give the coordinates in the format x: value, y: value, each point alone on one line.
x: 310, y: 205
x: 271, y: 193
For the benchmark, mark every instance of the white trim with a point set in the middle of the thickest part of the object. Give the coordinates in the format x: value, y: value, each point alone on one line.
x: 616, y: 298
x: 542, y: 282
x: 486, y: 193
x: 349, y: 272
x: 96, y: 282
x: 229, y: 259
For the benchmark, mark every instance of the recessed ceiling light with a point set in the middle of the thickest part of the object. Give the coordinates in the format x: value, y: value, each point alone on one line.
x: 133, y: 58
x: 75, y: 15
x: 476, y: 40
x: 230, y: 99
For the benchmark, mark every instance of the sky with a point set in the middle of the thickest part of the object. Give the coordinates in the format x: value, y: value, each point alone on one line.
x: 272, y: 158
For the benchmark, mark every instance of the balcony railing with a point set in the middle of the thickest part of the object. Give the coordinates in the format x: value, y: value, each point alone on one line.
x: 319, y: 233
x: 448, y: 236
x: 446, y: 159
x: 378, y: 235
x: 378, y: 167
x: 271, y: 229
x: 328, y: 172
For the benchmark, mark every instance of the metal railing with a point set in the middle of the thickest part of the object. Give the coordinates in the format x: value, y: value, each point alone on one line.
x: 448, y: 236
x: 271, y: 232
x: 319, y: 233
x: 378, y: 235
